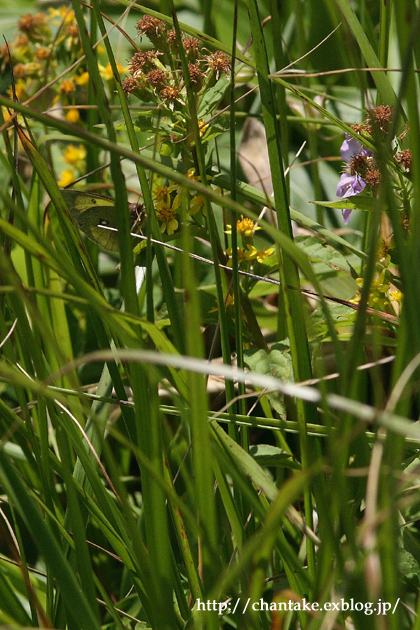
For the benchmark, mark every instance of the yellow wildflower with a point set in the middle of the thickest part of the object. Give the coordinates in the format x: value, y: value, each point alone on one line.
x: 63, y: 12
x: 246, y: 227
x: 197, y: 203
x: 106, y: 72
x: 83, y: 79
x: 264, y: 253
x: 67, y: 87
x: 241, y: 256
x: 166, y: 215
x: 74, y: 155
x: 67, y: 177
x: 162, y: 195
x: 202, y: 127
x: 73, y: 116
x: 21, y: 86
x: 396, y: 296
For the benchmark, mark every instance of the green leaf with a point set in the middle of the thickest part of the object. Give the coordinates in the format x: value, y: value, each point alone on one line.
x: 356, y: 202
x: 319, y: 251
x: 409, y: 566
x: 269, y: 455
x: 277, y: 363
x: 212, y: 97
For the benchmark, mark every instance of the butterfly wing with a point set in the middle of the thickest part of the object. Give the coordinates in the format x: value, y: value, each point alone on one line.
x: 90, y: 212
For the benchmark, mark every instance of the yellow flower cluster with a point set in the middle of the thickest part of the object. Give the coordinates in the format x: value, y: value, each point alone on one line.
x: 75, y: 158
x: 167, y: 201
x: 383, y: 296
x: 44, y: 41
x: 251, y: 253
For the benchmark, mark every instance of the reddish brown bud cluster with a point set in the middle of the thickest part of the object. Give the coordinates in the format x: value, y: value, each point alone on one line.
x: 129, y: 85
x: 32, y: 24
x: 404, y: 158
x: 381, y: 116
x: 150, y: 26
x: 218, y: 61
x: 162, y: 79
x: 156, y: 77
x: 195, y: 72
x: 372, y: 177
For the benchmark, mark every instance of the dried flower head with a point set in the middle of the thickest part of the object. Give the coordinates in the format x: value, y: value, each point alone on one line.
x: 34, y: 26
x: 359, y: 163
x: 170, y: 94
x: 172, y: 38
x: 29, y: 22
x: 372, y: 177
x: 195, y: 71
x: 156, y: 77
x: 191, y: 47
x: 67, y: 86
x: 72, y: 30
x: 219, y: 62
x: 151, y: 26
x: 404, y: 158
x: 43, y: 53
x: 381, y: 116
x: 20, y: 71
x: 129, y: 85
x: 358, y: 127
x: 141, y: 59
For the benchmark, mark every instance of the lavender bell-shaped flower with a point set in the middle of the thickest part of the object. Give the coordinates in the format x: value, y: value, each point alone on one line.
x: 351, y: 183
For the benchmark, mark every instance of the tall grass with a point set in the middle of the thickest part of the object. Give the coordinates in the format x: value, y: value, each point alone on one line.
x: 217, y: 428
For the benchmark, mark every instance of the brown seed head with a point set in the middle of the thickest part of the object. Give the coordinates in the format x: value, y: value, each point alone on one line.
x: 372, y: 177
x: 172, y: 39
x: 67, y: 87
x: 43, y: 53
x: 359, y: 164
x: 191, y: 43
x: 141, y: 59
x: 404, y: 158
x: 156, y: 77
x: 72, y: 30
x: 151, y: 26
x: 218, y: 61
x: 358, y: 127
x: 191, y: 47
x: 170, y: 92
x: 20, y: 71
x: 195, y: 72
x: 381, y: 116
x: 33, y: 25
x: 129, y: 85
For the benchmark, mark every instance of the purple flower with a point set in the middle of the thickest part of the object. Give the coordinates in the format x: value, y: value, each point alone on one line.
x: 351, y: 183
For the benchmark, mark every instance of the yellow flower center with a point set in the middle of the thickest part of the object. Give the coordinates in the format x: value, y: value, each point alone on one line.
x: 246, y: 227
x: 165, y: 213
